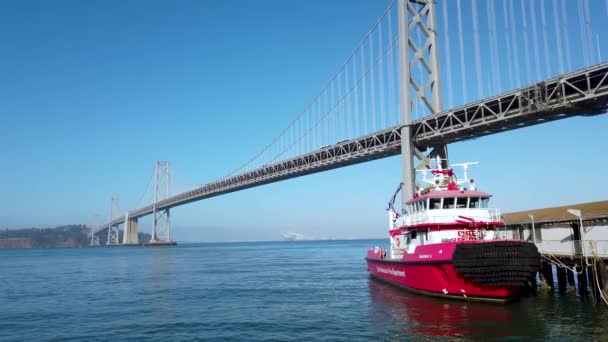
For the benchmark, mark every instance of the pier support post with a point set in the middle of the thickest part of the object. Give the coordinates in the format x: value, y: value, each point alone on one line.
x: 547, y: 273
x: 130, y: 235
x: 582, y: 280
x: 570, y: 276
x: 603, y: 274
x: 561, y: 278
x: 592, y: 281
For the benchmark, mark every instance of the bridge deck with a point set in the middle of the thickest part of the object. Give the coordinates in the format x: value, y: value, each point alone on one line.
x: 583, y: 92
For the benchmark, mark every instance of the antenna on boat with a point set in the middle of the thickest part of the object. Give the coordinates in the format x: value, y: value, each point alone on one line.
x: 438, y: 167
x: 465, y: 168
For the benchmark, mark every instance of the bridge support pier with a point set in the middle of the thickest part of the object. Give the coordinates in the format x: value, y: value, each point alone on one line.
x: 130, y: 234
x: 94, y: 239
x: 113, y: 235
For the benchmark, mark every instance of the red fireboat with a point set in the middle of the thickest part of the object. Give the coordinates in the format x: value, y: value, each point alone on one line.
x: 445, y: 244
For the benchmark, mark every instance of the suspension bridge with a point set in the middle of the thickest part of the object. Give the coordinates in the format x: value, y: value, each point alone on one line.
x: 386, y: 99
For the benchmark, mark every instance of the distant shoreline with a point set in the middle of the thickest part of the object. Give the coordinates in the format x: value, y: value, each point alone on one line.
x: 69, y: 236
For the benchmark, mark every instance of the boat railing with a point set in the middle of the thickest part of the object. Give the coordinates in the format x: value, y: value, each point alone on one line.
x: 452, y: 215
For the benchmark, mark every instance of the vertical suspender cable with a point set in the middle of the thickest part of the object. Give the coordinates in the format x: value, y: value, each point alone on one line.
x: 391, y: 77
x: 566, y: 35
x: 381, y: 78
x: 514, y: 43
x: 306, y: 132
x: 589, y: 31
x: 599, y: 53
x: 418, y: 112
x: 364, y: 89
x: 318, y: 125
x: 323, y: 130
x: 357, y: 130
x: 545, y: 41
x: 535, y: 40
x: 331, y: 107
x: 348, y: 113
x: 558, y: 37
x: 346, y: 108
x: 495, y: 60
x: 477, y: 49
x: 373, y: 81
x: 524, y: 22
x: 299, y: 135
x: 338, y: 112
x: 448, y: 60
x: 336, y: 109
x: 584, y: 45
x: 508, y: 40
x: 461, y: 44
x: 492, y: 77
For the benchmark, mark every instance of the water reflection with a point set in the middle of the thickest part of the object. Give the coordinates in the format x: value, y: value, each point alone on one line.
x: 415, y: 316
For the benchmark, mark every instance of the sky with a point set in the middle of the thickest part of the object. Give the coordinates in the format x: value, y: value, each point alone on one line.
x: 93, y: 93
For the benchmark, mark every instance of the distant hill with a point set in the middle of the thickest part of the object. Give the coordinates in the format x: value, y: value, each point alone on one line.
x: 62, y: 236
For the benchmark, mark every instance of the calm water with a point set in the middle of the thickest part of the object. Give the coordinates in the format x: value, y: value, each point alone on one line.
x: 260, y: 291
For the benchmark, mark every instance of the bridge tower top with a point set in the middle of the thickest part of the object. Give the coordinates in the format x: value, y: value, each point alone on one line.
x: 420, y: 92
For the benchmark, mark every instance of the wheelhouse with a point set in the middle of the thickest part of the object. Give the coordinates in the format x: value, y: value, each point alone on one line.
x: 460, y: 201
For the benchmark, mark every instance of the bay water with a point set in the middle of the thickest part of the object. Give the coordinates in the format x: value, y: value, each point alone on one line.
x: 282, y: 291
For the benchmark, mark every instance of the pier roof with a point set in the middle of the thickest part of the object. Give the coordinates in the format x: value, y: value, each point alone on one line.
x: 589, y: 211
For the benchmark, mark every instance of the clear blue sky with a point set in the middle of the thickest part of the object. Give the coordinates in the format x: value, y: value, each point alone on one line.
x: 93, y: 93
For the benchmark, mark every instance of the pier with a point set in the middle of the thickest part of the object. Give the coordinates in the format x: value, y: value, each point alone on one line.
x: 573, y: 242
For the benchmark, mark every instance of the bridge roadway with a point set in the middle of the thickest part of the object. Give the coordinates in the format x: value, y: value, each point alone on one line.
x: 583, y: 92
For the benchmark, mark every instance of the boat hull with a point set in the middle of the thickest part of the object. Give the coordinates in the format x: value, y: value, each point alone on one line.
x: 493, y: 271
x: 439, y: 280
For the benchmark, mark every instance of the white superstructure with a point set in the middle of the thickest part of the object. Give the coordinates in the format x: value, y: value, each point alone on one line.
x: 444, y: 211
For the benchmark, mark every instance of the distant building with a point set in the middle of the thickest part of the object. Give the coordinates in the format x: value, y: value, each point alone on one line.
x: 289, y: 236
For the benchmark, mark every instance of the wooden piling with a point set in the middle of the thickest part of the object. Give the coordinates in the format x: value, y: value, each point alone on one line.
x: 561, y: 278
x: 595, y: 292
x: 582, y: 280
x: 547, y: 273
x: 570, y: 277
x: 603, y: 274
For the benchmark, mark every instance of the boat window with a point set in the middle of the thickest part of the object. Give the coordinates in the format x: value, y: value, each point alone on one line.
x: 474, y: 202
x: 485, y: 202
x: 413, y: 234
x: 417, y: 206
x: 423, y: 205
x: 461, y: 203
x: 435, y: 203
x: 448, y: 203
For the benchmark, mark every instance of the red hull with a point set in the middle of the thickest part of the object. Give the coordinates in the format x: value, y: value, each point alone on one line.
x: 431, y: 271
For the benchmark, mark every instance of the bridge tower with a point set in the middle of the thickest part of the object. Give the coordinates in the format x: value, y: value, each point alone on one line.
x: 420, y: 90
x: 95, y: 224
x: 161, y: 222
x: 113, y: 229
